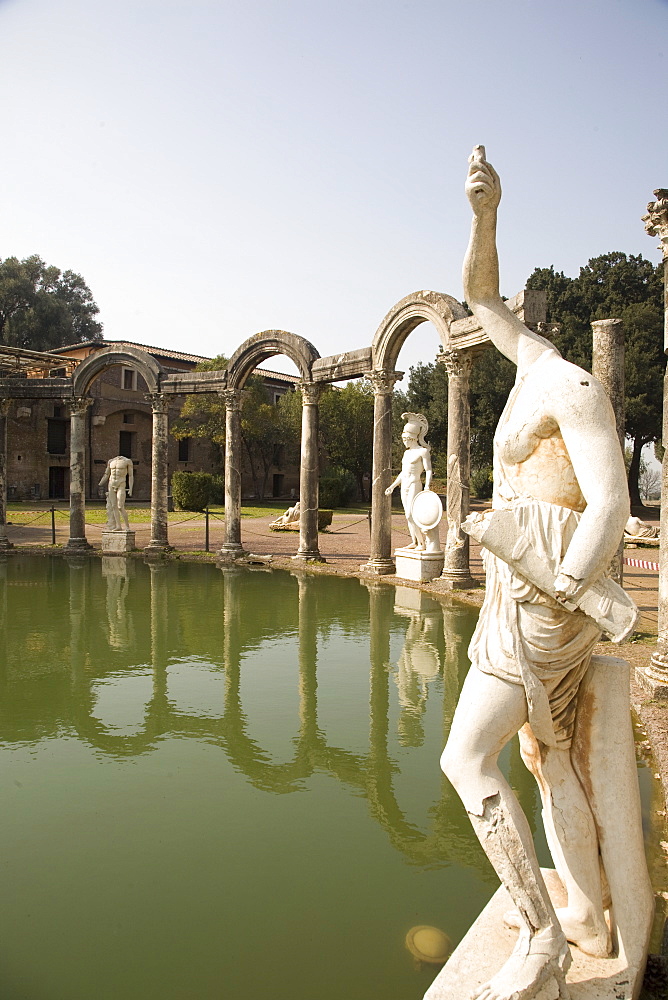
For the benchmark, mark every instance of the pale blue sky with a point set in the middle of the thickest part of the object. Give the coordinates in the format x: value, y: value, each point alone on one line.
x: 214, y: 169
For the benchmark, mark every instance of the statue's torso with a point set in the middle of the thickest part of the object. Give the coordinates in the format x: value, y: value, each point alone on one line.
x: 530, y: 456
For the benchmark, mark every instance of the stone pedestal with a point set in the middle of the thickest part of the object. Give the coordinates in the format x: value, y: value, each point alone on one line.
x: 489, y: 943
x: 414, y: 564
x: 117, y: 543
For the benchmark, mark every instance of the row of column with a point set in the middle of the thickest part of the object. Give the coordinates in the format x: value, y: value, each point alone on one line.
x: 77, y: 542
x: 456, y: 570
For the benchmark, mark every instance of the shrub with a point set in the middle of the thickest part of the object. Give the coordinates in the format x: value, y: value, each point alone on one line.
x: 337, y: 487
x: 217, y: 494
x: 191, y: 490
x: 481, y: 483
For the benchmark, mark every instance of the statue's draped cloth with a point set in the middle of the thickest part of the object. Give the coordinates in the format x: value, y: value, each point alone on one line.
x: 525, y: 637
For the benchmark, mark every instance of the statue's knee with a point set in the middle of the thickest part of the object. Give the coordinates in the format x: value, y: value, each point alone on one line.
x: 456, y: 764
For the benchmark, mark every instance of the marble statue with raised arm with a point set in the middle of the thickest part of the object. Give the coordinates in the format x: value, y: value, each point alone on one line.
x: 559, y: 471
x: 114, y: 478
x: 416, y: 460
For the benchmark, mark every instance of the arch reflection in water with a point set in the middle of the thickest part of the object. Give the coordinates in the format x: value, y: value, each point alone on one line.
x: 274, y: 775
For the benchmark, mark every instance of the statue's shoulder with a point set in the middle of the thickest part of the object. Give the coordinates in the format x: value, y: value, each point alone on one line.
x: 569, y: 388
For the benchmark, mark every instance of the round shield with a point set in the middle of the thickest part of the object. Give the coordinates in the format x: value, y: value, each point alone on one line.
x: 427, y: 509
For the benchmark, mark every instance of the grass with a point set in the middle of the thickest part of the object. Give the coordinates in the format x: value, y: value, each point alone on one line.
x: 39, y: 513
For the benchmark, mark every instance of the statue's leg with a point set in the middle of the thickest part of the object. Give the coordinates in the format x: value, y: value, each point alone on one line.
x: 571, y: 835
x: 121, y: 508
x: 489, y: 713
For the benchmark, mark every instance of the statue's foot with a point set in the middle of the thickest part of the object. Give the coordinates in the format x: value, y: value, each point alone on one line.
x: 525, y: 972
x: 589, y: 936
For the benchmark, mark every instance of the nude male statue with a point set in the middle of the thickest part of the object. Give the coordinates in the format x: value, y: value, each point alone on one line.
x: 415, y: 460
x: 114, y: 478
x: 558, y: 466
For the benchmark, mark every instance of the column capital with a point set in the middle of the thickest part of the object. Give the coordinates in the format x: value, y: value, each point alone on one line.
x: 232, y: 398
x: 159, y: 401
x: 383, y: 381
x: 310, y: 392
x: 656, y: 220
x: 78, y: 405
x: 458, y: 363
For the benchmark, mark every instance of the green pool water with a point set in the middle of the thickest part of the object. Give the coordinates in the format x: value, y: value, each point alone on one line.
x: 225, y: 784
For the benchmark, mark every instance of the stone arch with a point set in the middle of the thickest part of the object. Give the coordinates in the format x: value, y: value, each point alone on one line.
x: 419, y: 307
x: 147, y: 366
x: 265, y: 345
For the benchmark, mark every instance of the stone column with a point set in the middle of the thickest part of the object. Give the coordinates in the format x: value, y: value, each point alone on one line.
x: 380, y: 558
x: 77, y: 541
x: 231, y: 547
x: 656, y: 676
x: 158, y: 542
x: 456, y: 570
x: 4, y: 541
x: 608, y: 368
x: 309, y: 475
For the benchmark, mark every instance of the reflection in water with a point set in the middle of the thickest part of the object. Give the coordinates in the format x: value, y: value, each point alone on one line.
x: 202, y: 667
x: 419, y: 662
x: 116, y: 571
x: 100, y: 647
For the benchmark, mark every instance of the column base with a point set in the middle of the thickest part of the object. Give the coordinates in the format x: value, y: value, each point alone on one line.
x: 75, y: 545
x: 654, y: 678
x: 229, y: 551
x: 457, y: 579
x: 5, y: 544
x: 157, y: 548
x: 378, y: 567
x: 309, y: 555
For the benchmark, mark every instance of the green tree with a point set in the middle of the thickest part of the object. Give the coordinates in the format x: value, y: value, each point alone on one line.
x: 629, y: 288
x: 268, y: 431
x: 346, y: 425
x: 42, y: 308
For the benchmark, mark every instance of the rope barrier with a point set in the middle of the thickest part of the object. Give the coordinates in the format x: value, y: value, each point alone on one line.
x: 642, y: 564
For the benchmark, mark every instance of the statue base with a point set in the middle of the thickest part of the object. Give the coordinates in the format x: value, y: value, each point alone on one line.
x: 489, y: 943
x: 418, y: 565
x: 117, y: 543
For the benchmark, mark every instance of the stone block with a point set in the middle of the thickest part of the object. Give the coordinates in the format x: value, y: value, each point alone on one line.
x: 489, y: 943
x: 118, y: 542
x: 414, y: 564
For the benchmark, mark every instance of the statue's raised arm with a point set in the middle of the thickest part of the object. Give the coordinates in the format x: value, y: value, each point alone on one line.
x: 481, y: 267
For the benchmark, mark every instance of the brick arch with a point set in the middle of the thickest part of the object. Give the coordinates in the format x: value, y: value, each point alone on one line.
x: 419, y: 307
x: 147, y: 366
x: 265, y: 345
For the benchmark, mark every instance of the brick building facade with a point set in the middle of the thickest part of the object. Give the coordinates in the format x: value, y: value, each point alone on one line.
x: 118, y: 423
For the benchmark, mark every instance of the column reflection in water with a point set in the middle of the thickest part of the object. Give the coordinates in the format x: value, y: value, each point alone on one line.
x: 158, y: 716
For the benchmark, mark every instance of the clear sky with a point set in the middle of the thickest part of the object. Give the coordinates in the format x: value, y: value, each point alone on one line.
x: 214, y: 168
